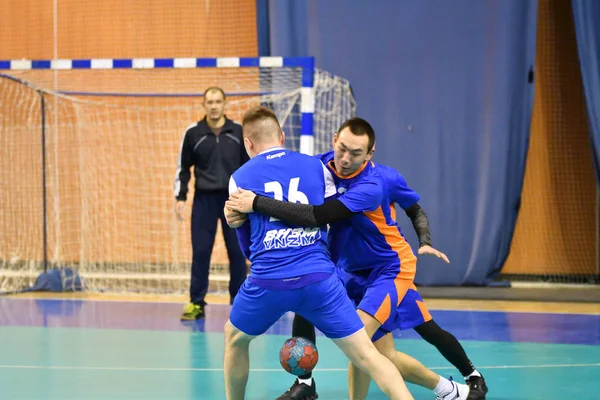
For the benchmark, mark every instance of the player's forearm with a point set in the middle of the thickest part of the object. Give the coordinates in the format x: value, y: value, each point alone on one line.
x: 292, y: 213
x: 303, y: 214
x: 420, y: 223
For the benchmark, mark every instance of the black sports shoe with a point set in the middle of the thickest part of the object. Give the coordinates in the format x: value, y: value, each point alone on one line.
x: 478, y: 388
x: 300, y: 391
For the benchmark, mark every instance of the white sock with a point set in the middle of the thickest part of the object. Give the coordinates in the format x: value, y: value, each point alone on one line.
x: 307, y: 382
x: 475, y: 373
x: 443, y: 387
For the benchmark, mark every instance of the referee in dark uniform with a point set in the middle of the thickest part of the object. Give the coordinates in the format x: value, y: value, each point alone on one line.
x: 215, y: 147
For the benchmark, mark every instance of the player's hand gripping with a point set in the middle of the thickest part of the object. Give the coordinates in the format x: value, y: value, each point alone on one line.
x: 241, y: 201
x: 234, y: 219
x: 428, y: 250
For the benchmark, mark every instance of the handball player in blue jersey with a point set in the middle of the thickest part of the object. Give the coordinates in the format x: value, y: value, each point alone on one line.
x: 291, y: 268
x: 374, y: 260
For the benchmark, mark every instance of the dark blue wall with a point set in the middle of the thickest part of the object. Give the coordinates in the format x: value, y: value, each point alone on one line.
x: 447, y: 86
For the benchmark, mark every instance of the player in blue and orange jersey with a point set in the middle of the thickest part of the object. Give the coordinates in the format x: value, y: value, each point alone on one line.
x: 375, y: 262
x: 400, y: 193
x: 291, y: 268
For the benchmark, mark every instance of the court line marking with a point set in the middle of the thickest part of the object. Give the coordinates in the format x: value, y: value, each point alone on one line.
x: 87, y: 368
x: 159, y: 301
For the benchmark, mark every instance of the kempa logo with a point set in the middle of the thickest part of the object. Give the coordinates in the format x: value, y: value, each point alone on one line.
x: 276, y: 155
x: 291, y: 237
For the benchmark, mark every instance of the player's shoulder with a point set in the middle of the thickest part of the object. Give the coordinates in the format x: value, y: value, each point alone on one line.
x: 325, y: 157
x: 370, y: 180
x: 302, y: 158
x: 383, y: 168
x: 248, y: 169
x: 284, y: 158
x: 253, y: 163
x: 308, y: 168
x: 386, y: 170
x: 306, y: 164
x: 371, y: 174
x: 390, y: 173
x: 376, y: 180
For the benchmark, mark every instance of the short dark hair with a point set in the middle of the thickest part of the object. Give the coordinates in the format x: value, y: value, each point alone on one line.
x: 260, y: 132
x: 359, y: 127
x: 259, y: 113
x: 215, y: 89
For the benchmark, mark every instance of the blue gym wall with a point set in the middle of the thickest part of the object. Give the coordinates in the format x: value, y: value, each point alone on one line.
x: 448, y: 88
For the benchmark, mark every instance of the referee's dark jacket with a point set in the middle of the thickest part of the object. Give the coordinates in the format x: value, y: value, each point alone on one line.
x: 214, y: 157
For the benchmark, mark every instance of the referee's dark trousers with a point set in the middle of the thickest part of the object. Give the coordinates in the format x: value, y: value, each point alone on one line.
x: 206, y: 212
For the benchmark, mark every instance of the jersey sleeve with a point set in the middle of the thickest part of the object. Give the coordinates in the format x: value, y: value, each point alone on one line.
x: 325, y: 157
x: 398, y: 190
x: 233, y: 188
x: 243, y: 234
x: 330, y: 190
x: 365, y: 196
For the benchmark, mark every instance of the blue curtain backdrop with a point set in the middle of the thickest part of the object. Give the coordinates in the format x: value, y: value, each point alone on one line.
x: 448, y: 87
x: 586, y: 14
x: 262, y: 24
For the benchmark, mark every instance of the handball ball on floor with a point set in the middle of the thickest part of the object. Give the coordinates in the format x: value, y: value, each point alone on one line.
x: 298, y: 356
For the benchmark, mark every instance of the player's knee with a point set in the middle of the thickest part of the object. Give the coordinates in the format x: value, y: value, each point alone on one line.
x: 367, y: 359
x: 364, y: 355
x: 235, y: 337
x: 360, y: 360
x: 358, y: 348
x: 388, y: 353
x: 230, y: 332
x: 386, y: 347
x: 370, y: 323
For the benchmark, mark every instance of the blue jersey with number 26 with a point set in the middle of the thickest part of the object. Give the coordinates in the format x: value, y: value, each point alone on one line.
x: 276, y: 249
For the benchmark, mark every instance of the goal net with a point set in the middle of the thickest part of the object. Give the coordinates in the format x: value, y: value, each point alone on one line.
x: 89, y: 151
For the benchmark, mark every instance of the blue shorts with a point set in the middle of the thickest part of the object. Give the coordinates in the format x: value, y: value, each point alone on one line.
x: 324, y: 303
x: 393, y: 301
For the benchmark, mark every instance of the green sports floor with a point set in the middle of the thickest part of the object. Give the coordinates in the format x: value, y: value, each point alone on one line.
x: 87, y: 349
